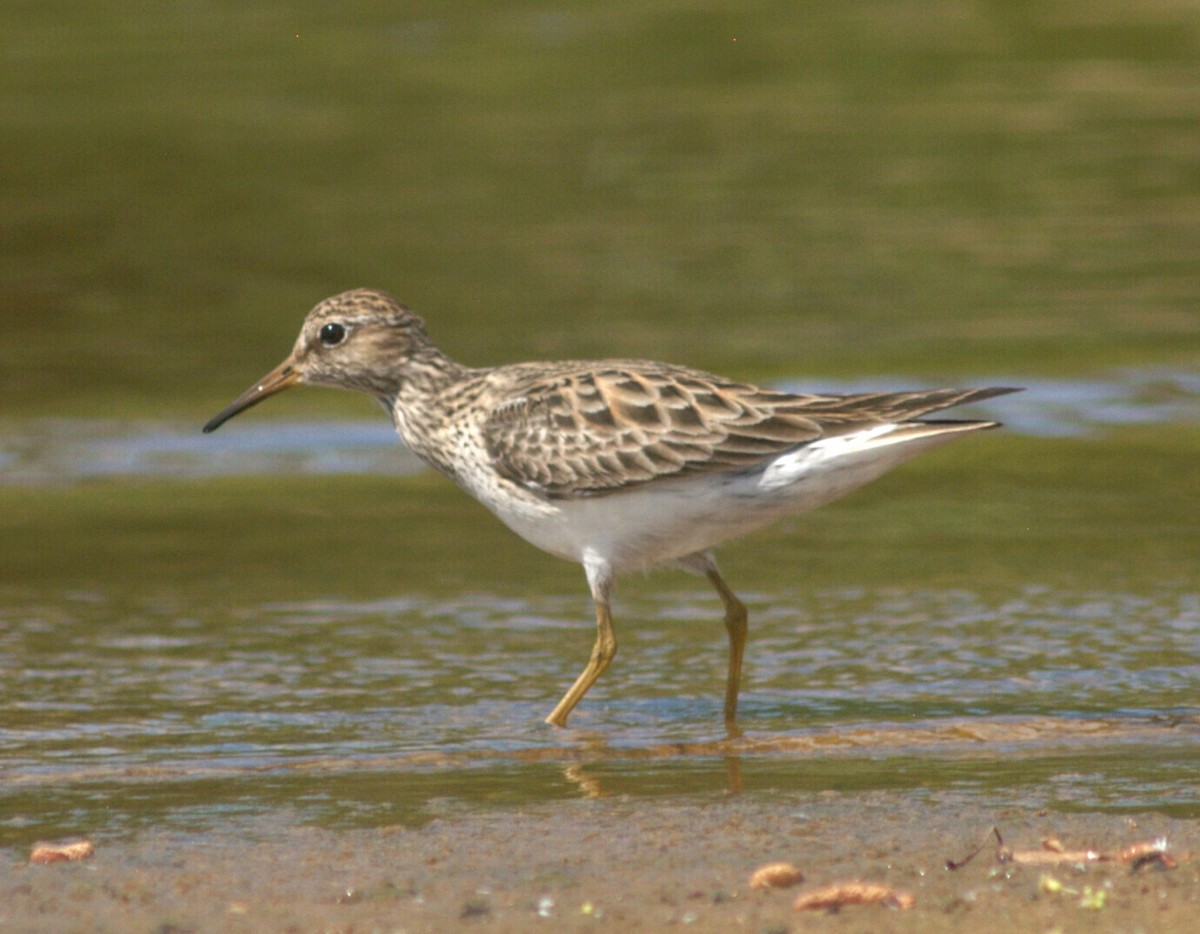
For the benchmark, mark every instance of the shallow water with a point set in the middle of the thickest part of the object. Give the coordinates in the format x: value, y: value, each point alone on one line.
x: 291, y: 617
x: 376, y: 633
x: 120, y: 718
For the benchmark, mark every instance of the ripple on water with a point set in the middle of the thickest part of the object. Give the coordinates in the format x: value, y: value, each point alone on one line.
x: 330, y: 676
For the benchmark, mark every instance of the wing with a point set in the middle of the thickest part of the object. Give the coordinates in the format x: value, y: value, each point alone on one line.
x: 589, y: 429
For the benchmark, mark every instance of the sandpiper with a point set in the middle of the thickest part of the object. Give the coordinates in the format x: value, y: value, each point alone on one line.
x: 616, y: 464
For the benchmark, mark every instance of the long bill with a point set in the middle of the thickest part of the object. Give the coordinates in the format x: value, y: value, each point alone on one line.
x: 277, y: 380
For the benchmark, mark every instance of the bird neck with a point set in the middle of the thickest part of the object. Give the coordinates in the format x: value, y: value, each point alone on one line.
x: 434, y: 391
x: 428, y: 373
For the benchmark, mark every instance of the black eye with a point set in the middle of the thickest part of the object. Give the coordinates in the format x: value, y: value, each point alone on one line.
x: 332, y: 334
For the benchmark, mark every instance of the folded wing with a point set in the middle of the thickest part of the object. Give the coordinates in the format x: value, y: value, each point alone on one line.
x: 589, y: 431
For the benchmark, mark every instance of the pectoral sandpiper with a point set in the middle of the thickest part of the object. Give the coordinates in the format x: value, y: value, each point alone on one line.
x: 616, y: 464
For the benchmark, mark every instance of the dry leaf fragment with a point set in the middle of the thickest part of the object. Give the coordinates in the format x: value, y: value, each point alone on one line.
x: 836, y: 896
x: 1053, y: 853
x: 775, y: 876
x: 1145, y: 854
x: 1050, y: 857
x: 61, y: 852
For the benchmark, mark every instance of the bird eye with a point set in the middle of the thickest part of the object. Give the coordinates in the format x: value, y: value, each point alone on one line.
x: 333, y: 334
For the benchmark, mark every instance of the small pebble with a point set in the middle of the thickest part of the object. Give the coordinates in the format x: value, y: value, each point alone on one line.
x: 61, y: 852
x: 853, y: 893
x: 775, y: 876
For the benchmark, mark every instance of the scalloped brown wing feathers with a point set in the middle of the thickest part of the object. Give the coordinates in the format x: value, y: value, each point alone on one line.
x: 590, y: 429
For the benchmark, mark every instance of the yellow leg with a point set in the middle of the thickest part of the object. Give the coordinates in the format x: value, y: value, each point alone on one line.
x: 602, y: 653
x: 735, y: 625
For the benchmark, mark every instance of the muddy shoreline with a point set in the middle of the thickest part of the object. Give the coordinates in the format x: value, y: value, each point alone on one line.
x: 623, y: 865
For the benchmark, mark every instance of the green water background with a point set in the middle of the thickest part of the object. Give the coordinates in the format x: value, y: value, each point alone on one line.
x: 939, y: 192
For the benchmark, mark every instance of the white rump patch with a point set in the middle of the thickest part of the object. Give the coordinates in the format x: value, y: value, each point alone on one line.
x: 820, y: 456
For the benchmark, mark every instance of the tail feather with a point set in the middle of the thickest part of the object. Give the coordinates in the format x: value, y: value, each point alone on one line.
x: 909, y: 405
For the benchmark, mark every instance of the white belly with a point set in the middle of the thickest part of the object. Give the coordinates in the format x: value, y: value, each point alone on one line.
x: 669, y: 519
